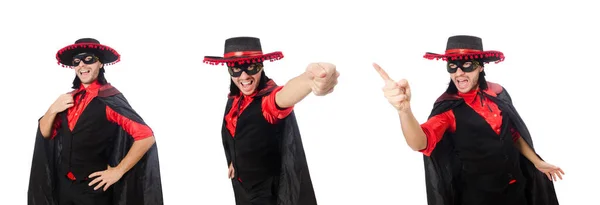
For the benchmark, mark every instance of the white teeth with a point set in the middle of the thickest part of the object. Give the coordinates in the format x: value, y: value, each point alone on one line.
x: 246, y: 83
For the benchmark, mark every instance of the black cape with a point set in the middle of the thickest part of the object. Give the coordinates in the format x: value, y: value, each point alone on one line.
x: 295, y: 184
x: 141, y: 185
x: 442, y: 166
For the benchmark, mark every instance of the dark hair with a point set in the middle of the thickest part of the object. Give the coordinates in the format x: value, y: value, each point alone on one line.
x: 101, y: 79
x: 482, y: 83
x: 234, y: 90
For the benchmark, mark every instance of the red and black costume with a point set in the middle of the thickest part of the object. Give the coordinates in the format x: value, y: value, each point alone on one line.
x: 470, y: 156
x: 261, y: 140
x: 96, y: 131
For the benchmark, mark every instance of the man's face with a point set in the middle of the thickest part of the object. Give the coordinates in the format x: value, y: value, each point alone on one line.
x: 464, y: 74
x: 87, y: 67
x: 246, y: 76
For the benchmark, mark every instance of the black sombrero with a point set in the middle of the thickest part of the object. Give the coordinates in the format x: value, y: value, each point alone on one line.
x: 243, y: 50
x: 106, y: 54
x: 464, y: 47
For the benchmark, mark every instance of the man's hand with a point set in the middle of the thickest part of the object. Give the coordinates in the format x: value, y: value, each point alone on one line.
x: 397, y: 93
x: 63, y: 102
x: 324, y: 78
x: 231, y: 172
x: 551, y: 171
x: 46, y: 123
x: 106, y: 178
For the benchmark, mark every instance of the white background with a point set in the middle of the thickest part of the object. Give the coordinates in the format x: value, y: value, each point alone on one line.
x: 355, y: 148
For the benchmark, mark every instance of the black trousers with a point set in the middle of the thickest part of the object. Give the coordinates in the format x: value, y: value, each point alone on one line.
x: 79, y: 193
x: 262, y: 192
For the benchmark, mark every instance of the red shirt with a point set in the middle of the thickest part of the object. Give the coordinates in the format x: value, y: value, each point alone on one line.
x: 136, y: 130
x: 270, y: 110
x: 437, y: 125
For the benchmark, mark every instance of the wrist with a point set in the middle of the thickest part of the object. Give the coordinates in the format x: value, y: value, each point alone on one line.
x: 120, y: 169
x: 404, y: 110
x: 537, y: 162
x: 307, y: 79
x: 51, y: 111
x: 307, y: 76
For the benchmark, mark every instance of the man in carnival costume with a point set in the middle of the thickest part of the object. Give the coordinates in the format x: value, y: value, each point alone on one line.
x: 262, y: 142
x: 477, y: 149
x: 91, y: 147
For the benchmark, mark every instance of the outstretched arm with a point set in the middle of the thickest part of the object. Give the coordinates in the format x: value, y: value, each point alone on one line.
x: 424, y: 137
x: 398, y: 95
x: 294, y: 91
x: 319, y: 78
x: 411, y: 129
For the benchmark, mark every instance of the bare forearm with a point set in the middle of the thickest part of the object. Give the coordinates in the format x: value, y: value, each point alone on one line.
x: 294, y: 91
x: 524, y: 148
x: 46, y: 123
x: 137, y: 151
x: 413, y: 134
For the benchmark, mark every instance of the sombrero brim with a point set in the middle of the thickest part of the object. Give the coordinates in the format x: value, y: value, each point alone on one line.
x: 216, y: 60
x: 107, y: 55
x: 485, y: 56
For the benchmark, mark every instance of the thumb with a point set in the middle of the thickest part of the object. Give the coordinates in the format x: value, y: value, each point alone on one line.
x: 322, y: 73
x: 404, y: 84
x: 316, y: 73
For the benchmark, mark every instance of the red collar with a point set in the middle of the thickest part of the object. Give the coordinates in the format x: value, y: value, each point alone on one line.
x: 93, y: 87
x: 472, y: 94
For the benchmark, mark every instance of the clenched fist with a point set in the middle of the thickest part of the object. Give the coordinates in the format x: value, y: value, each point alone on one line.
x: 63, y: 102
x: 397, y: 93
x: 323, y: 76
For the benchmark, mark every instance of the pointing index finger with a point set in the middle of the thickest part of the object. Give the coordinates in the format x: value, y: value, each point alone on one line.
x: 381, y: 72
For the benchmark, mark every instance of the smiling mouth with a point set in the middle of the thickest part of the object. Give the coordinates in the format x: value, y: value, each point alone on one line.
x: 246, y: 83
x: 84, y: 73
x: 463, y: 83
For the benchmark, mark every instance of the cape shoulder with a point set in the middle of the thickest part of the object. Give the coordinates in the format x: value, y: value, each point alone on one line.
x: 107, y: 91
x: 113, y: 98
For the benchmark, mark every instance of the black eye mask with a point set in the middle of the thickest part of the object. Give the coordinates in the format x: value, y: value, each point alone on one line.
x: 86, y: 58
x: 250, y: 69
x: 454, y: 65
